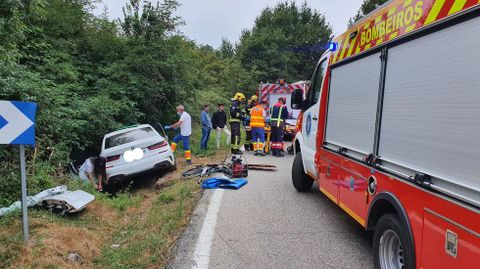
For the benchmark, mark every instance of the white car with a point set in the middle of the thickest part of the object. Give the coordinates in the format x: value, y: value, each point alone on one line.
x: 134, y: 150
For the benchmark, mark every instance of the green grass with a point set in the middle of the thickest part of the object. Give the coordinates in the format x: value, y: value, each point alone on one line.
x: 148, y: 241
x: 145, y: 237
x: 11, y: 242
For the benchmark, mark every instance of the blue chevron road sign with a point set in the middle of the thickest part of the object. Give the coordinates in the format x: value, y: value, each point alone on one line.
x: 17, y: 127
x: 17, y: 123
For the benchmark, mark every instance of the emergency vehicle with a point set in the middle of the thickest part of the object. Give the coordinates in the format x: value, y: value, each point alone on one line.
x: 390, y: 131
x: 270, y: 92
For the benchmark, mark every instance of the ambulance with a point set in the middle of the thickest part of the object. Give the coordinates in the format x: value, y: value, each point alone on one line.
x: 390, y: 132
x: 270, y: 92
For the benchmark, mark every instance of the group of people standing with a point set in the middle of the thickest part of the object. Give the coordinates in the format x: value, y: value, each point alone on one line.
x: 253, y: 117
x: 218, y: 123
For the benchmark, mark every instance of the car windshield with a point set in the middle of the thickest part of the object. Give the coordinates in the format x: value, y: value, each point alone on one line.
x: 129, y: 136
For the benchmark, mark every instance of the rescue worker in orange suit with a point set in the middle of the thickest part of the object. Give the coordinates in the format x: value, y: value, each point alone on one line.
x: 248, y: 130
x: 278, y: 115
x: 236, y: 118
x: 257, y: 125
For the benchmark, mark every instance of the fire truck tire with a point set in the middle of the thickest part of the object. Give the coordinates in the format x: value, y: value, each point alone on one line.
x: 391, y: 247
x: 301, y: 181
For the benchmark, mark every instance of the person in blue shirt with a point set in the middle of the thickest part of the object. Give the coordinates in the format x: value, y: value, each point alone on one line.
x: 206, y: 127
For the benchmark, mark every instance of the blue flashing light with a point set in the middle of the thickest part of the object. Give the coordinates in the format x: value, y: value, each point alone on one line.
x: 332, y: 46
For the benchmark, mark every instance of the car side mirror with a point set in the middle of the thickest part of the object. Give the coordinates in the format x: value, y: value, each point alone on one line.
x: 297, y: 99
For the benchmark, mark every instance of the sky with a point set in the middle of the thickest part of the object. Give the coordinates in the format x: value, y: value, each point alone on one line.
x: 208, y: 21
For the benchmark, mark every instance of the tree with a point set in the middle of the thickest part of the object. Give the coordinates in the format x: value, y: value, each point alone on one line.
x: 150, y: 22
x: 366, y: 7
x: 226, y: 49
x: 285, y: 42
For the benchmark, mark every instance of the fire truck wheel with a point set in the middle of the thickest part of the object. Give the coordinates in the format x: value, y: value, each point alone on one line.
x: 391, y: 247
x: 301, y: 181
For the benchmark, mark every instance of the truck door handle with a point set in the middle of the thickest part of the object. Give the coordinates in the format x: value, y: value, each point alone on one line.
x: 314, y: 117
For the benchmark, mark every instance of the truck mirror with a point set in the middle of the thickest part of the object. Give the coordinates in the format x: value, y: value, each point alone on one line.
x: 297, y: 99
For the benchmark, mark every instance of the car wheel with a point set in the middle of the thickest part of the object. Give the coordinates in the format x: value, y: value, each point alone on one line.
x: 174, y: 166
x: 301, y: 181
x: 391, y: 247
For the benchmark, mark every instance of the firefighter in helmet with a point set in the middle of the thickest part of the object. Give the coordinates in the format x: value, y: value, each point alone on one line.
x: 236, y: 117
x: 278, y: 115
x: 248, y: 108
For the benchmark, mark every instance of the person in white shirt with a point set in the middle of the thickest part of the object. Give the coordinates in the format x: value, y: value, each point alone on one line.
x: 185, y: 124
x: 94, y: 169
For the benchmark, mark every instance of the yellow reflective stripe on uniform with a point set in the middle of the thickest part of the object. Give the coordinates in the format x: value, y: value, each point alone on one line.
x: 234, y: 120
x: 278, y: 118
x: 256, y: 117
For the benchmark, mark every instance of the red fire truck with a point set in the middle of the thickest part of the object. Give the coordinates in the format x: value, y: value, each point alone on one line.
x: 390, y: 131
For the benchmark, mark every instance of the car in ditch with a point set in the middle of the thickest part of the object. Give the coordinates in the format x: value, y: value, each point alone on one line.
x: 136, y: 149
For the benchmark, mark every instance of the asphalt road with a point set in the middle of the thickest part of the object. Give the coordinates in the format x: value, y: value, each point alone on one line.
x: 268, y: 224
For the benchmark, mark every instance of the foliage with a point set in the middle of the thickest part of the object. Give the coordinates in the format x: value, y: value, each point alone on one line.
x: 286, y: 42
x: 366, y: 7
x: 91, y: 75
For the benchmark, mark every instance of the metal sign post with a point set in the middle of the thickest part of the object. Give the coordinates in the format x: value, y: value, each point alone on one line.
x: 17, y: 127
x: 23, y: 176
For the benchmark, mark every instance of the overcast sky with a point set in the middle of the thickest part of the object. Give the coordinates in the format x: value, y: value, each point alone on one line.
x: 207, y: 21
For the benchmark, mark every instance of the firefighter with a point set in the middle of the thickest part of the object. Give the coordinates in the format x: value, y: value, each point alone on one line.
x: 278, y: 115
x: 248, y: 130
x: 257, y: 125
x: 236, y: 118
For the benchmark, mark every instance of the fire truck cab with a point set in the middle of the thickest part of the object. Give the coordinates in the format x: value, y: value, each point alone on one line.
x: 390, y: 131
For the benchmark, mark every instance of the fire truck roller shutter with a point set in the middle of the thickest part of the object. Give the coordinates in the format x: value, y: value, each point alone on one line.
x: 431, y: 109
x: 352, y: 104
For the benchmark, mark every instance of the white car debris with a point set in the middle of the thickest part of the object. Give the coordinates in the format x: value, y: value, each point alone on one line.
x: 59, y: 198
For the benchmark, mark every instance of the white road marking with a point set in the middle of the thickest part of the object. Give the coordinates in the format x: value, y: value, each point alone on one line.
x: 204, y: 243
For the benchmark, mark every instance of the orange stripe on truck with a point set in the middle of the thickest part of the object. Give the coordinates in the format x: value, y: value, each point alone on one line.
x: 352, y: 214
x: 329, y: 195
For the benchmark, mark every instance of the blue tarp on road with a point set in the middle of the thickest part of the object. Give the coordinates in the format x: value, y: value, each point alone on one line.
x: 223, y: 183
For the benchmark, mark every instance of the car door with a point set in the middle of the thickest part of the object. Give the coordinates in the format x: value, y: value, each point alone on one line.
x: 310, y: 119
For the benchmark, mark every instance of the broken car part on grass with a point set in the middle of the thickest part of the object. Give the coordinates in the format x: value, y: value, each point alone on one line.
x: 59, y: 199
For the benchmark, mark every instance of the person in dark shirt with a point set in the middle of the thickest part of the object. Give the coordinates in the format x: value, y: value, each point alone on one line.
x: 279, y: 114
x: 237, y: 115
x: 219, y: 121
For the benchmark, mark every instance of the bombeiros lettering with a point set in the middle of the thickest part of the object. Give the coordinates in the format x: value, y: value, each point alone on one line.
x: 403, y: 18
